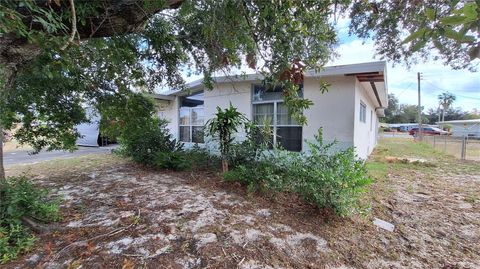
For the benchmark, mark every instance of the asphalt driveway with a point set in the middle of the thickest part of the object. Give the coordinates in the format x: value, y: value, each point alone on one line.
x: 25, y: 157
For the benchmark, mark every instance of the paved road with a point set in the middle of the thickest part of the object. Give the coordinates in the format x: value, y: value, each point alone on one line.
x: 23, y: 156
x: 395, y: 135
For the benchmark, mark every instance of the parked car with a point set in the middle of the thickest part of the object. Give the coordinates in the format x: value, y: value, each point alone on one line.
x: 428, y: 131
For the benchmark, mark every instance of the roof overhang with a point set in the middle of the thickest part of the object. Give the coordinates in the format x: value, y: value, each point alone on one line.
x: 372, y: 75
x: 473, y: 121
x: 162, y: 97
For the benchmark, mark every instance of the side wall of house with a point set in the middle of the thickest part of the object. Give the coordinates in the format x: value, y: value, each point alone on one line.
x: 365, y: 133
x: 337, y: 111
x: 169, y: 110
x: 238, y: 94
x: 332, y: 110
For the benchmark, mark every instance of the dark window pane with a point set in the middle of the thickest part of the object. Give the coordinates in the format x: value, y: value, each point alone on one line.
x: 185, y: 133
x: 197, y: 134
x: 290, y: 138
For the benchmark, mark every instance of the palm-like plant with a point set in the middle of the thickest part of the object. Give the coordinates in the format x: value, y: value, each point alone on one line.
x: 223, y: 126
x: 446, y: 99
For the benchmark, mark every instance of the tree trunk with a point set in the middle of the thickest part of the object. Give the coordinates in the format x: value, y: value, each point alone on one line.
x: 224, y: 165
x: 2, y: 169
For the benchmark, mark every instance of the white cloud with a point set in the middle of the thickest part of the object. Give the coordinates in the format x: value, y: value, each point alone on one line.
x: 437, y: 78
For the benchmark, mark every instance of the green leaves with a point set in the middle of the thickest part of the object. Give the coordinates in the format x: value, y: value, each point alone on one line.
x: 449, y: 27
x: 20, y: 199
x: 324, y: 176
x: 430, y: 13
x: 222, y: 127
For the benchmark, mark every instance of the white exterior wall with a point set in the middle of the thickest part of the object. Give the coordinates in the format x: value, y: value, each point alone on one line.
x: 169, y: 110
x: 365, y: 133
x: 332, y: 110
x: 337, y: 111
x: 465, y: 129
x: 239, y: 94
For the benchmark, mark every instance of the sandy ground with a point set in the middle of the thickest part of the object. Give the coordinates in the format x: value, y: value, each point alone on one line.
x: 125, y: 216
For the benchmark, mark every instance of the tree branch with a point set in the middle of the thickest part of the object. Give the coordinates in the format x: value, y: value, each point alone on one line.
x: 74, y: 26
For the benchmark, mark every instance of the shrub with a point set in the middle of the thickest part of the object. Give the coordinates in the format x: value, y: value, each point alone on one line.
x: 14, y: 239
x: 144, y: 140
x: 222, y: 127
x: 176, y: 160
x: 202, y: 159
x: 325, y: 177
x: 21, y: 199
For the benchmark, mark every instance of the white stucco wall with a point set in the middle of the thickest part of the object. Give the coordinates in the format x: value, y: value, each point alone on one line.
x: 332, y: 110
x: 239, y: 94
x: 465, y: 129
x: 169, y: 110
x: 365, y: 133
x: 336, y: 110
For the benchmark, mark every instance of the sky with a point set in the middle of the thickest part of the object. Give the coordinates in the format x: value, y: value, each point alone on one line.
x: 436, y: 77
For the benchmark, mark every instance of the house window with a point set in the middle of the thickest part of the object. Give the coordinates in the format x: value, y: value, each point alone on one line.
x: 268, y: 109
x: 192, y: 119
x: 363, y: 112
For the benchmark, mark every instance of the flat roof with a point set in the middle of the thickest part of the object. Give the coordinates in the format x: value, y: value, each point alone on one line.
x: 460, y: 121
x: 370, y: 74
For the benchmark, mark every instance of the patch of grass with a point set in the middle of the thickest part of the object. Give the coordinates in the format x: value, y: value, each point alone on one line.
x: 404, y: 147
x: 67, y: 165
x: 471, y: 198
x: 377, y: 170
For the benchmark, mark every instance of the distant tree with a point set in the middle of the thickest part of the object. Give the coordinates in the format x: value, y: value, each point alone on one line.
x: 445, y: 99
x: 393, y: 108
x: 407, y: 31
x: 407, y: 114
x: 450, y: 114
x: 473, y: 115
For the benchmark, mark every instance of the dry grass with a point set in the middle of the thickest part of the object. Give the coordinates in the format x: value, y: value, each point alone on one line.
x: 453, y: 146
x: 194, y: 220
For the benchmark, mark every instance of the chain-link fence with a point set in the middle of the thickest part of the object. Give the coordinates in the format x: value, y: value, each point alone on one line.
x: 465, y: 148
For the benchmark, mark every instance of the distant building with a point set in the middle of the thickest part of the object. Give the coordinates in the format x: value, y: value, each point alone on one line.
x: 470, y: 128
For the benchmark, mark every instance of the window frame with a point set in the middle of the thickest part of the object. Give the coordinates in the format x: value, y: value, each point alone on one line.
x: 363, y: 112
x: 190, y: 124
x: 274, y: 124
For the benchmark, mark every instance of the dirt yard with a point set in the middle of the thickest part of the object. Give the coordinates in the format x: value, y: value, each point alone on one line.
x: 119, y: 215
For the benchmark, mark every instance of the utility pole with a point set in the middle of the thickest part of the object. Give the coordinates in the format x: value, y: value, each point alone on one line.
x: 420, y: 133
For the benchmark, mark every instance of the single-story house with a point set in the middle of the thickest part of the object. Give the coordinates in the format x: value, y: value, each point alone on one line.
x: 348, y: 112
x: 470, y: 128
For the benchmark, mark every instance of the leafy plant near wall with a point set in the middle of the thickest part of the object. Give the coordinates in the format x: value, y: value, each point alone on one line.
x: 140, y: 133
x: 325, y: 176
x: 222, y: 127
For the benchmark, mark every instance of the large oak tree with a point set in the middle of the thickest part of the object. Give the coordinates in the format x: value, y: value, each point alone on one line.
x: 58, y: 55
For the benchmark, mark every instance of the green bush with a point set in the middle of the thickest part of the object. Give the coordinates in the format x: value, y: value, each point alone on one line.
x: 202, y: 159
x: 176, y: 160
x: 20, y: 199
x: 14, y: 239
x: 143, y: 140
x: 325, y: 177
